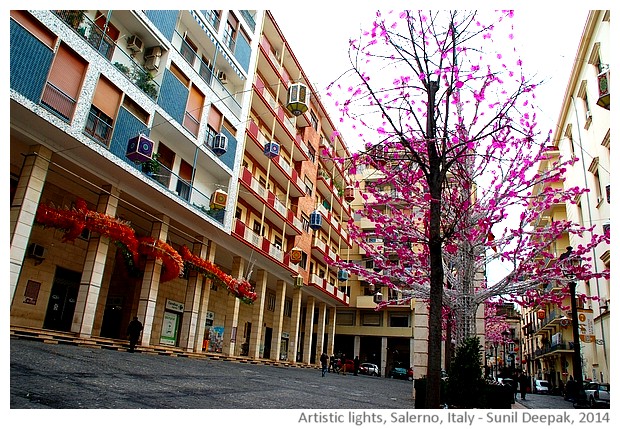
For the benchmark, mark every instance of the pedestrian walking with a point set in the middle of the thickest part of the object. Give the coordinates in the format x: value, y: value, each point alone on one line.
x: 323, y: 364
x: 332, y: 363
x: 524, y: 381
x: 356, y: 365
x: 133, y: 332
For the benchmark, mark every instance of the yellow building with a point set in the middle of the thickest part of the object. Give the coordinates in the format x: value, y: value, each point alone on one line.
x: 582, y: 131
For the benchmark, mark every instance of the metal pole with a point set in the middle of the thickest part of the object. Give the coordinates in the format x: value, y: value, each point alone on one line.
x: 577, y: 371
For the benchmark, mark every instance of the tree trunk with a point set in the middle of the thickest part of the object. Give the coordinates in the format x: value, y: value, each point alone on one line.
x: 436, y: 262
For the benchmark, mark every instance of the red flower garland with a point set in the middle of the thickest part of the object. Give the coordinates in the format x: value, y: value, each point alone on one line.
x: 171, y: 260
x: 75, y: 220
x: 241, y: 288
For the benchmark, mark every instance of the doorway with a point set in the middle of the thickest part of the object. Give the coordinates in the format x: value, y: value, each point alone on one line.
x: 267, y: 348
x: 63, y: 297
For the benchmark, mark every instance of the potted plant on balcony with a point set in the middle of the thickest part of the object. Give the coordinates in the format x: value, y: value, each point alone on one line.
x: 152, y: 166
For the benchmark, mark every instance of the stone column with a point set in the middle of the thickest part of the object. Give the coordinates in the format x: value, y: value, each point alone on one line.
x: 256, y: 335
x: 295, y: 323
x: 204, y: 301
x: 331, y: 330
x: 420, y: 345
x: 356, y: 345
x: 308, y: 329
x: 187, y: 335
x: 276, y: 339
x: 24, y: 208
x: 94, y: 266
x: 231, y: 336
x: 320, y: 332
x: 150, y: 284
x: 384, y: 344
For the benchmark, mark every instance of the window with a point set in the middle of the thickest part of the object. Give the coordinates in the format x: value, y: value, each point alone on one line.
x: 188, y: 50
x: 569, y: 135
x: 399, y: 320
x: 193, y: 112
x: 311, y: 153
x: 304, y: 260
x: 583, y: 94
x: 309, y: 185
x: 288, y: 307
x: 594, y: 169
x: 314, y: 121
x: 371, y: 319
x: 206, y: 70
x: 98, y: 125
x: 214, y: 17
x: 64, y: 83
x: 345, y: 318
x: 238, y: 213
x: 230, y: 32
x: 271, y: 301
x: 305, y: 222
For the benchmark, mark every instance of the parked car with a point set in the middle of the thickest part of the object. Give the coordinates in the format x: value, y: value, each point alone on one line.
x: 542, y: 386
x: 370, y: 369
x: 401, y: 371
x: 597, y: 394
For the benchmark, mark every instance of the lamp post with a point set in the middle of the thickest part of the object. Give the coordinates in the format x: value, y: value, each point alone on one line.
x: 567, y: 269
x: 495, y: 345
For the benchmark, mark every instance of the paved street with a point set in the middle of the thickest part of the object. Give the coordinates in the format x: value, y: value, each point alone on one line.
x: 58, y: 376
x: 65, y: 376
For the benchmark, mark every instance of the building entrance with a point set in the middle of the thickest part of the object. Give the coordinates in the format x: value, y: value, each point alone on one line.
x: 63, y: 297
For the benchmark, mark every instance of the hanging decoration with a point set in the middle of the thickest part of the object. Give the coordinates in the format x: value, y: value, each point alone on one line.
x: 540, y: 314
x: 298, y: 281
x: 218, y: 199
x: 74, y: 221
x: 295, y: 255
x: 219, y: 144
x: 172, y: 263
x: 241, y: 288
x: 140, y: 149
x: 272, y: 149
x: 343, y: 275
x: 297, y: 99
x: 315, y: 220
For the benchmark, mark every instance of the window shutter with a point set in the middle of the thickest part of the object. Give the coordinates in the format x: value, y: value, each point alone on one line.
x: 107, y: 97
x: 67, y: 71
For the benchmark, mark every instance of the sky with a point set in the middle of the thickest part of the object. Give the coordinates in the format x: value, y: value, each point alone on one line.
x: 546, y: 40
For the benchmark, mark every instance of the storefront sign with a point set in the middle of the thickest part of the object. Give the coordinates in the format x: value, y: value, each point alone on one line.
x: 174, y: 306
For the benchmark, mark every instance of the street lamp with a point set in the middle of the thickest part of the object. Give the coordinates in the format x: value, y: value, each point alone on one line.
x: 567, y: 270
x: 495, y: 345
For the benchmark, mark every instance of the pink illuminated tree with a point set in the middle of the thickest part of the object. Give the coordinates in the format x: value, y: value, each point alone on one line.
x: 451, y: 153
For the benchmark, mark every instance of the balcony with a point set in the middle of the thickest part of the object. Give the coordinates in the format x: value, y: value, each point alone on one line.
x: 262, y: 196
x: 173, y: 184
x: 109, y: 50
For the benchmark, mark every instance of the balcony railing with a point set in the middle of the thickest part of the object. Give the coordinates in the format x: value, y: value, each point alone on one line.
x: 178, y: 186
x: 98, y: 129
x: 249, y: 18
x: 58, y: 102
x: 103, y: 44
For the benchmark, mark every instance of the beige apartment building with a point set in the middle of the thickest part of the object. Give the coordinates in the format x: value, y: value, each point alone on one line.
x: 161, y: 166
x: 582, y: 131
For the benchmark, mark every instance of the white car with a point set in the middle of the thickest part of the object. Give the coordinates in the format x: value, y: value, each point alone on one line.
x: 542, y: 386
x: 597, y: 394
x: 369, y: 369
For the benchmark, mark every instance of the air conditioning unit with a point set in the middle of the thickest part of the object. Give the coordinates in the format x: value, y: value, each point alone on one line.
x: 222, y: 76
x: 36, y: 251
x: 153, y: 51
x: 134, y: 43
x: 152, y: 63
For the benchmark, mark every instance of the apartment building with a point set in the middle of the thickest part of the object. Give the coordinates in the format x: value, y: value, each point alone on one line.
x: 156, y: 170
x: 582, y: 131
